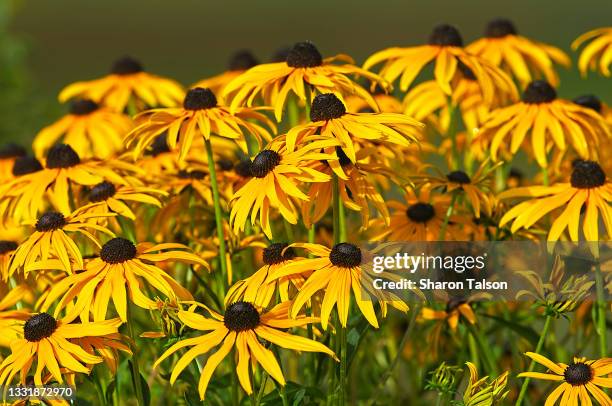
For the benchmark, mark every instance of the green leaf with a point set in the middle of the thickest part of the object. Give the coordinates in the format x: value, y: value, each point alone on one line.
x: 146, y: 392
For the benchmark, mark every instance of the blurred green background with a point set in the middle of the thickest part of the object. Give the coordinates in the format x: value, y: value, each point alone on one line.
x: 45, y: 45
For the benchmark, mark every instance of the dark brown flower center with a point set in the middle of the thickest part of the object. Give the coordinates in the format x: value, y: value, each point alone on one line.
x: 196, y: 174
x: 445, y: 35
x: 241, y: 316
x: 26, y: 164
x: 499, y: 28
x: 7, y: 246
x: 126, y: 66
x: 420, y: 212
x: 273, y: 254
x: 264, y: 163
x: 243, y: 168
x: 118, y: 250
x: 587, y: 175
x: 62, y: 156
x: 199, y: 99
x: 345, y: 255
x: 326, y: 107
x: 589, y: 101
x: 539, y: 91
x: 82, y: 107
x: 304, y: 55
x: 102, y: 191
x: 12, y: 150
x: 459, y: 177
x: 39, y: 326
x: 578, y: 374
x: 50, y: 221
x: 242, y: 60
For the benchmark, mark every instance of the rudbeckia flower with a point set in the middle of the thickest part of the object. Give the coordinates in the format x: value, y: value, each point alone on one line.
x: 520, y: 56
x: 304, y: 67
x: 91, y: 130
x: 9, y: 319
x: 588, y: 190
x: 8, y: 154
x: 277, y: 176
x: 239, y: 63
x: 454, y: 311
x: 598, y: 53
x: 329, y: 119
x: 260, y: 287
x: 578, y: 381
x: 242, y: 326
x: 121, y: 265
x: 336, y: 272
x: 446, y: 48
x: 200, y: 116
x: 47, y: 341
x: 50, y: 241
x: 546, y: 118
x: 127, y: 82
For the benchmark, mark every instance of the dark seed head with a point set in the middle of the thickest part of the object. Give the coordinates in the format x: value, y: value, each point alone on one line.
x: 420, y: 212
x: 587, y: 175
x: 241, y: 316
x: 126, y: 66
x: 273, y: 254
x: 589, y: 101
x: 225, y: 164
x: 264, y: 162
x: 578, y: 374
x: 50, y: 221
x: 539, y: 91
x: 159, y: 145
x: 326, y: 107
x: 82, y: 107
x: 62, y: 156
x: 39, y: 326
x: 500, y: 27
x: 345, y: 255
x: 26, y: 164
x: 12, y: 150
x: 118, y: 250
x: 196, y: 174
x: 304, y: 55
x: 102, y: 191
x: 459, y: 177
x: 243, y: 168
x: 445, y: 35
x: 280, y: 55
x: 7, y: 246
x: 242, y: 60
x: 199, y: 99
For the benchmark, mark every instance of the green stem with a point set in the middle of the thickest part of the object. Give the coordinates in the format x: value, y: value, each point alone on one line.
x: 601, y: 310
x: 485, y: 349
x: 538, y: 350
x: 449, y: 213
x: 262, y: 388
x: 336, y: 209
x: 545, y: 180
x: 134, y: 363
x: 343, y: 365
x: 222, y: 279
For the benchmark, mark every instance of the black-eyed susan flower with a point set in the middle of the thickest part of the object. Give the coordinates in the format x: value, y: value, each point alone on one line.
x: 10, y: 318
x: 445, y: 46
x: 260, y: 287
x: 522, y: 57
x: 456, y: 309
x: 90, y: 129
x: 239, y: 62
x: 329, y: 119
x: 337, y: 271
x: 303, y: 68
x: 200, y: 116
x: 46, y: 340
x: 8, y: 154
x: 549, y: 121
x: 588, y: 191
x: 597, y: 55
x: 127, y: 83
x: 118, y: 275
x: 578, y: 381
x: 106, y: 347
x: 242, y: 326
x: 277, y: 177
x: 50, y: 242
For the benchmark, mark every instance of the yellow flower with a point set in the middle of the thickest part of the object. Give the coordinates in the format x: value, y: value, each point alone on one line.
x: 127, y: 82
x: 455, y: 309
x: 520, y: 56
x: 8, y: 154
x: 600, y: 48
x: 200, y: 116
x: 579, y: 380
x: 91, y: 130
x: 588, y: 189
x: 446, y: 48
x: 241, y: 326
x: 239, y: 63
